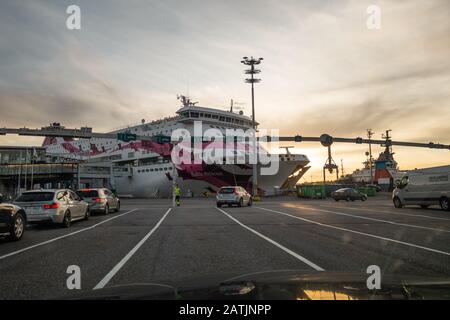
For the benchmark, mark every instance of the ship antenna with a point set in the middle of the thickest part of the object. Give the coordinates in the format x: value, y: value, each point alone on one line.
x: 186, y: 101
x: 388, y: 143
x: 342, y: 168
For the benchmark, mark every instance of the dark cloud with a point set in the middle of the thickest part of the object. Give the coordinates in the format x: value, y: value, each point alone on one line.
x: 98, y: 104
x: 394, y: 76
x: 352, y: 119
x: 34, y: 109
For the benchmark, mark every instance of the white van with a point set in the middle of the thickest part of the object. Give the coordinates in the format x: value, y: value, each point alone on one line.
x: 424, y: 187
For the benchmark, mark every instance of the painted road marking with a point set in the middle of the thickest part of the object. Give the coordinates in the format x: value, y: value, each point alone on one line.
x: 122, y: 262
x: 359, y: 232
x: 374, y: 219
x: 292, y: 253
x: 390, y: 212
x: 64, y: 236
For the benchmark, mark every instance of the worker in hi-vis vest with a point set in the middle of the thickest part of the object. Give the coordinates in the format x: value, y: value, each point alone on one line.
x: 177, y: 194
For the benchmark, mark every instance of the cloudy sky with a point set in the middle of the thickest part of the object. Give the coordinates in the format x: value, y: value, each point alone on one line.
x: 323, y: 69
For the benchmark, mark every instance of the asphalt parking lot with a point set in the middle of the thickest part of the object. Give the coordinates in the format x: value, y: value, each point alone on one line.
x: 150, y: 242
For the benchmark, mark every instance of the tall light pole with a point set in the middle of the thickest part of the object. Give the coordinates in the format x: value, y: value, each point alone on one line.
x: 252, y: 71
x: 20, y: 171
x: 369, y: 135
x: 26, y: 168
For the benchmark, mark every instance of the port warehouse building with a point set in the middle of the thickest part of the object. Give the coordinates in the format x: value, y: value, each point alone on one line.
x: 25, y: 168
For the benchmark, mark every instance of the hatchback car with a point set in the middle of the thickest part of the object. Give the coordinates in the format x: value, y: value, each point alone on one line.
x: 233, y: 195
x: 348, y: 194
x: 62, y: 206
x: 12, y: 220
x: 100, y: 200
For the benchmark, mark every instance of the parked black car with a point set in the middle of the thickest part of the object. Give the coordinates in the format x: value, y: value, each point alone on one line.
x: 348, y: 194
x: 13, y: 220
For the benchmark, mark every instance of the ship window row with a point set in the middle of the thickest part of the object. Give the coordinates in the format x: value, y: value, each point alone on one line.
x: 194, y: 114
x: 154, y: 170
x: 152, y: 127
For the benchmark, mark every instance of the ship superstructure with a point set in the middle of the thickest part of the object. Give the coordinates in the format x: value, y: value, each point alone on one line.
x: 385, y: 170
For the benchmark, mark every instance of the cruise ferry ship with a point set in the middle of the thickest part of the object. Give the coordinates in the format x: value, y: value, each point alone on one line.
x: 144, y: 168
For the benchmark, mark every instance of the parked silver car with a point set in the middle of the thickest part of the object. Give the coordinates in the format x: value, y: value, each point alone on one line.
x: 62, y: 206
x: 100, y: 199
x: 233, y: 195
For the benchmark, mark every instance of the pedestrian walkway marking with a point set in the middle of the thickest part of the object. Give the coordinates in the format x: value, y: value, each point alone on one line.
x: 63, y: 236
x: 358, y: 232
x: 292, y: 253
x: 122, y: 262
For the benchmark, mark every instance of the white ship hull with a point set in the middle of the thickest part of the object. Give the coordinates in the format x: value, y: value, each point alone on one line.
x: 142, y: 183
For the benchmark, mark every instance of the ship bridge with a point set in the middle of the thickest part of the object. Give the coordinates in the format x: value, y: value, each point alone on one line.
x: 220, y: 117
x: 191, y: 112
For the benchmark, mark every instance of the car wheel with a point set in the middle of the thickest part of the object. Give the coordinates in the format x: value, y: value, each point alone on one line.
x: 424, y: 206
x: 347, y: 199
x: 17, y: 228
x: 250, y: 202
x: 397, y: 203
x: 363, y: 199
x: 444, y: 204
x: 337, y: 200
x: 118, y: 207
x: 67, y: 220
x: 219, y: 205
x: 241, y: 202
x: 106, y: 212
x: 87, y: 214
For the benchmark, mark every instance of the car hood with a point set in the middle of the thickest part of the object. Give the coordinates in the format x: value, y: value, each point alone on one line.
x: 281, y: 284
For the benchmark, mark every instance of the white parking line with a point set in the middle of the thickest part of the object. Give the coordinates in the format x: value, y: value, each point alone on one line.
x: 292, y: 253
x: 122, y: 262
x: 374, y: 219
x: 390, y: 212
x: 359, y: 232
x: 64, y: 236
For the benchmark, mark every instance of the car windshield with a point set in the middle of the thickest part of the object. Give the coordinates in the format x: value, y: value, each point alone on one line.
x: 88, y: 193
x: 35, y: 197
x: 227, y: 190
